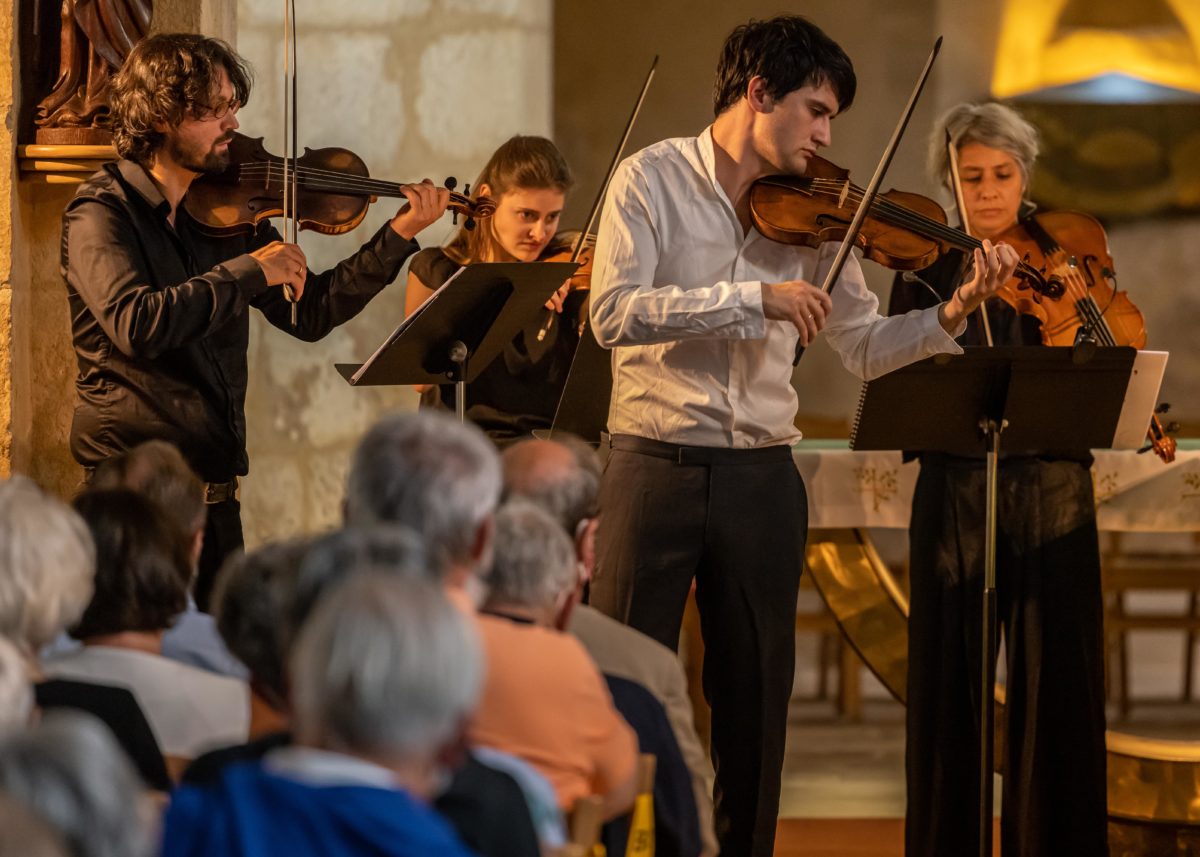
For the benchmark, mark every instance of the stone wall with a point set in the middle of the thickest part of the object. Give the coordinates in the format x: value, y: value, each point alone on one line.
x: 416, y: 88
x: 7, y: 147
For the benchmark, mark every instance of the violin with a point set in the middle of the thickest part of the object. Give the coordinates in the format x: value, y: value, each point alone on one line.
x: 332, y: 193
x: 902, y: 231
x: 572, y: 246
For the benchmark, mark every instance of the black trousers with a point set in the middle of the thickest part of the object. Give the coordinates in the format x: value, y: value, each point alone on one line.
x: 1050, y: 611
x: 222, y: 536
x: 735, y: 521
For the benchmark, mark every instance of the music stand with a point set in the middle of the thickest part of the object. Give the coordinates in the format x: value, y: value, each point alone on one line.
x: 583, y: 407
x: 462, y: 327
x: 1042, y: 400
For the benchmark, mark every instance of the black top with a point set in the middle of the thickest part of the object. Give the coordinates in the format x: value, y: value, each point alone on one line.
x: 517, y: 392
x: 160, y: 319
x: 485, y: 806
x: 117, y: 708
x: 945, y: 275
x: 676, y: 822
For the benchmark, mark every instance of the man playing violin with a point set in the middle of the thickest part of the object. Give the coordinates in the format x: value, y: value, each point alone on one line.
x: 704, y: 314
x: 159, y: 310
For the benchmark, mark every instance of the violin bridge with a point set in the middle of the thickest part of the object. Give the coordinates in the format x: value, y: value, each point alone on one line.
x: 845, y: 193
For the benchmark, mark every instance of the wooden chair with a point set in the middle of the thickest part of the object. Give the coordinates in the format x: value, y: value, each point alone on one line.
x: 1125, y: 571
x: 586, y: 819
x: 641, y: 824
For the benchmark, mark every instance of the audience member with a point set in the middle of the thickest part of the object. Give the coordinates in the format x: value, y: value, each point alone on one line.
x: 544, y: 700
x: 158, y: 471
x: 563, y: 477
x: 24, y: 834
x: 438, y: 477
x: 142, y: 576
x: 47, y: 571
x: 383, y: 677
x: 70, y: 773
x: 261, y: 597
x: 16, y: 693
x: 47, y: 562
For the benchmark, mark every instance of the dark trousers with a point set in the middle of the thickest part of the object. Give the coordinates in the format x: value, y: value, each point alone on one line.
x: 1050, y: 611
x: 735, y: 521
x: 222, y: 536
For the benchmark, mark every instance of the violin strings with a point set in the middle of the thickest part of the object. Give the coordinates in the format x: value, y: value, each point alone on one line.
x: 904, y: 216
x: 334, y: 181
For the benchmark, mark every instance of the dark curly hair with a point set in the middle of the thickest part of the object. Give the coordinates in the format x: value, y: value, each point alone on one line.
x: 788, y: 52
x: 166, y: 78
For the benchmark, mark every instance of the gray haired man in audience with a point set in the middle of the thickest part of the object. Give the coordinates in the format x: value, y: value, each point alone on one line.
x: 564, y: 479
x: 383, y: 677
x: 438, y: 477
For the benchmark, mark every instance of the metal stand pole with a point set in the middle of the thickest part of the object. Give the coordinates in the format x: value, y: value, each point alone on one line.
x: 458, y: 356
x: 987, y: 688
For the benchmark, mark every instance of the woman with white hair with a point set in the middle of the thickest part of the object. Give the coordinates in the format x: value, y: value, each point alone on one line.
x: 1048, y: 574
x: 384, y: 675
x: 47, y: 565
x: 70, y: 773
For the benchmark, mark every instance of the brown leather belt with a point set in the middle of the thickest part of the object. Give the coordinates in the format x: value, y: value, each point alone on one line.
x: 220, y: 492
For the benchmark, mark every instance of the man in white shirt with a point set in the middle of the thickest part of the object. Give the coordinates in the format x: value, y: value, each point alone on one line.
x: 704, y: 314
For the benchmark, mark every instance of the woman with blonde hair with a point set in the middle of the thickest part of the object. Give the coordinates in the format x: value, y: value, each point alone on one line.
x: 518, y: 392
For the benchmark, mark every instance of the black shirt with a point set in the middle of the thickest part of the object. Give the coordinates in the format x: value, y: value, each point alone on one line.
x: 160, y: 319
x: 517, y: 392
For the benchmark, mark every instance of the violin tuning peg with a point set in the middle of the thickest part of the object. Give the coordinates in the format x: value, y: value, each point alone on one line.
x: 467, y: 189
x: 451, y: 182
x: 469, y: 223
x: 454, y: 218
x: 1162, y: 408
x: 1171, y: 428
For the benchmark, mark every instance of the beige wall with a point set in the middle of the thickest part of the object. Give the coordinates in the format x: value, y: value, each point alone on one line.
x: 417, y: 89
x: 600, y: 61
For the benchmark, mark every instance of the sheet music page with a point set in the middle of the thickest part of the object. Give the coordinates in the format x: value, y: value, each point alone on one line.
x: 404, y: 325
x: 1140, y: 398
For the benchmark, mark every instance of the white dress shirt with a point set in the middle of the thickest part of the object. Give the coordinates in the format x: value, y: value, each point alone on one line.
x: 677, y: 293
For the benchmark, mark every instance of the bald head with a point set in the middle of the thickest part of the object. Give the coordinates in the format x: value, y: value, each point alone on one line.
x: 562, y: 477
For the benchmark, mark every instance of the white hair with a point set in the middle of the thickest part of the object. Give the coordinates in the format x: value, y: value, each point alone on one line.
x: 70, y: 772
x: 16, y: 694
x: 47, y: 565
x: 990, y: 124
x: 384, y: 666
x: 534, y: 561
x: 429, y: 472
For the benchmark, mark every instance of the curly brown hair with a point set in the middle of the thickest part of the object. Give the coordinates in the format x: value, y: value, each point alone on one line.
x: 166, y: 78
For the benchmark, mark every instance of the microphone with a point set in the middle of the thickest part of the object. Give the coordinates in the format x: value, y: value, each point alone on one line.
x: 914, y: 277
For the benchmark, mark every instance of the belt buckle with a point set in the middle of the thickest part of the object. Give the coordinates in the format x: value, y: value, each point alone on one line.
x: 220, y: 492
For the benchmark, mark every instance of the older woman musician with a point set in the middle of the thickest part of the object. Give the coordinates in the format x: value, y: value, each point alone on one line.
x: 1048, y: 574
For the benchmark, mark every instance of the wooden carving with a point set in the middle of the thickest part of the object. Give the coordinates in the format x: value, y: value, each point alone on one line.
x: 96, y: 37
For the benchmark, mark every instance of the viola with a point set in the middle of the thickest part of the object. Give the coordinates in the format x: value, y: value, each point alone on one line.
x: 1070, y: 249
x: 902, y: 231
x: 333, y: 190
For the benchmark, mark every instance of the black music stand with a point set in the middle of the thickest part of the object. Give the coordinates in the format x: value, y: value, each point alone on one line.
x: 1042, y: 399
x: 583, y: 407
x: 462, y: 327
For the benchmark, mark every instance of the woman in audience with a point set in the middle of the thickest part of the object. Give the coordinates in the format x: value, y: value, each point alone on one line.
x: 70, y: 773
x: 47, y: 563
x: 157, y: 470
x: 383, y: 676
x: 143, y: 573
x: 16, y: 694
x: 544, y: 700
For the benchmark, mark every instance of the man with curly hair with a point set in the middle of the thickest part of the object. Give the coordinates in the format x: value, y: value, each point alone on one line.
x: 160, y: 311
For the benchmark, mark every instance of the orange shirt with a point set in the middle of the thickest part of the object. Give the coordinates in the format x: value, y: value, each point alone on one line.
x: 545, y: 702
